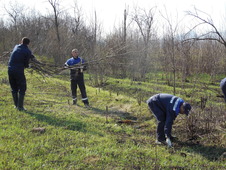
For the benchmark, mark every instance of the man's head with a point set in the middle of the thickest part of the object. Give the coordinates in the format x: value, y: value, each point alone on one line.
x: 185, y: 108
x: 25, y: 41
x: 74, y: 53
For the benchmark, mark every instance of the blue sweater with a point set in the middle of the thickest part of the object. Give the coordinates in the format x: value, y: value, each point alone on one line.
x: 223, y: 83
x: 72, y: 61
x: 75, y: 73
x: 223, y: 87
x: 19, y: 58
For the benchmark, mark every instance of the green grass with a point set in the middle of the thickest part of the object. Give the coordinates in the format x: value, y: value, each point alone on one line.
x: 79, y: 138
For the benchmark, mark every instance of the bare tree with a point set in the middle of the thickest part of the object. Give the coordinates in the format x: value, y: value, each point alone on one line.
x: 211, y: 60
x: 77, y: 19
x: 55, y: 49
x: 4, y: 37
x: 125, y: 26
x: 144, y: 20
x: 15, y: 11
x: 123, y: 51
x: 55, y: 5
x: 213, y: 35
x: 170, y: 44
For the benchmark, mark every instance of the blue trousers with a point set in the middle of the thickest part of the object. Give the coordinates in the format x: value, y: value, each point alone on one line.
x: 160, y: 116
x: 79, y: 82
x: 17, y: 81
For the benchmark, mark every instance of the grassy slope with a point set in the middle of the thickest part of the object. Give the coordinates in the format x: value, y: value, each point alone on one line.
x: 81, y: 138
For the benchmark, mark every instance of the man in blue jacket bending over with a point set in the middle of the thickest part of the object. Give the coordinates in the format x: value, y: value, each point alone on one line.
x: 77, y: 77
x: 166, y: 108
x: 223, y: 87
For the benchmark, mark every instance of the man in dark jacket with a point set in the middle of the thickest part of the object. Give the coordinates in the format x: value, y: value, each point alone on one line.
x: 166, y: 108
x: 19, y: 60
x: 223, y: 87
x: 77, y: 77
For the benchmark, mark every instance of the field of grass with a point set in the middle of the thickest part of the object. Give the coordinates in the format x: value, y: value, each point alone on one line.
x: 76, y: 137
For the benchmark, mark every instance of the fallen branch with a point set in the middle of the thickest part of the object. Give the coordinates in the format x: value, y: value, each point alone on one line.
x: 129, y: 122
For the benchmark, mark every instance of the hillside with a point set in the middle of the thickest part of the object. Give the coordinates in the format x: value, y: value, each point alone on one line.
x: 76, y: 137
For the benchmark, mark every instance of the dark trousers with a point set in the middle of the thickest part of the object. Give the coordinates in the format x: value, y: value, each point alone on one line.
x: 17, y: 81
x: 161, y: 118
x: 223, y: 88
x: 79, y: 82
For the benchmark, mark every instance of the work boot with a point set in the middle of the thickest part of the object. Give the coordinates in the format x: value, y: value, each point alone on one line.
x: 86, y: 103
x: 158, y: 142
x: 173, y: 138
x: 74, y: 101
x: 20, y: 105
x: 15, y: 99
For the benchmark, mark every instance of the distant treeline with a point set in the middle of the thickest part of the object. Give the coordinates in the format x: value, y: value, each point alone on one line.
x: 128, y: 51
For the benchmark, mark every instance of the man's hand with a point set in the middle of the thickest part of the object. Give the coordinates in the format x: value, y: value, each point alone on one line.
x: 168, y: 142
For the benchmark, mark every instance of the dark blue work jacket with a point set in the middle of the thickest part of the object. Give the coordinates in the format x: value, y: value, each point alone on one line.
x: 223, y: 87
x: 169, y: 105
x: 19, y: 58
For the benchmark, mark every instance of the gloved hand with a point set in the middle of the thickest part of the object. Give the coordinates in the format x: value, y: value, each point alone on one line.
x: 29, y: 66
x: 168, y: 142
x: 65, y: 66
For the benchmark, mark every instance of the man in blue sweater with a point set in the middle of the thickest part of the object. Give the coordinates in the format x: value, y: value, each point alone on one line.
x: 19, y: 60
x: 166, y: 108
x: 223, y: 87
x: 77, y: 77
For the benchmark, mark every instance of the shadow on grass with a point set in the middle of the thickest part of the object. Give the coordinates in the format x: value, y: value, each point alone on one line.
x: 69, y: 125
x: 122, y: 115
x: 212, y: 153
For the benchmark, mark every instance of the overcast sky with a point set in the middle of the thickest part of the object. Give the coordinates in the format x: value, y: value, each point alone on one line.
x: 110, y: 12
